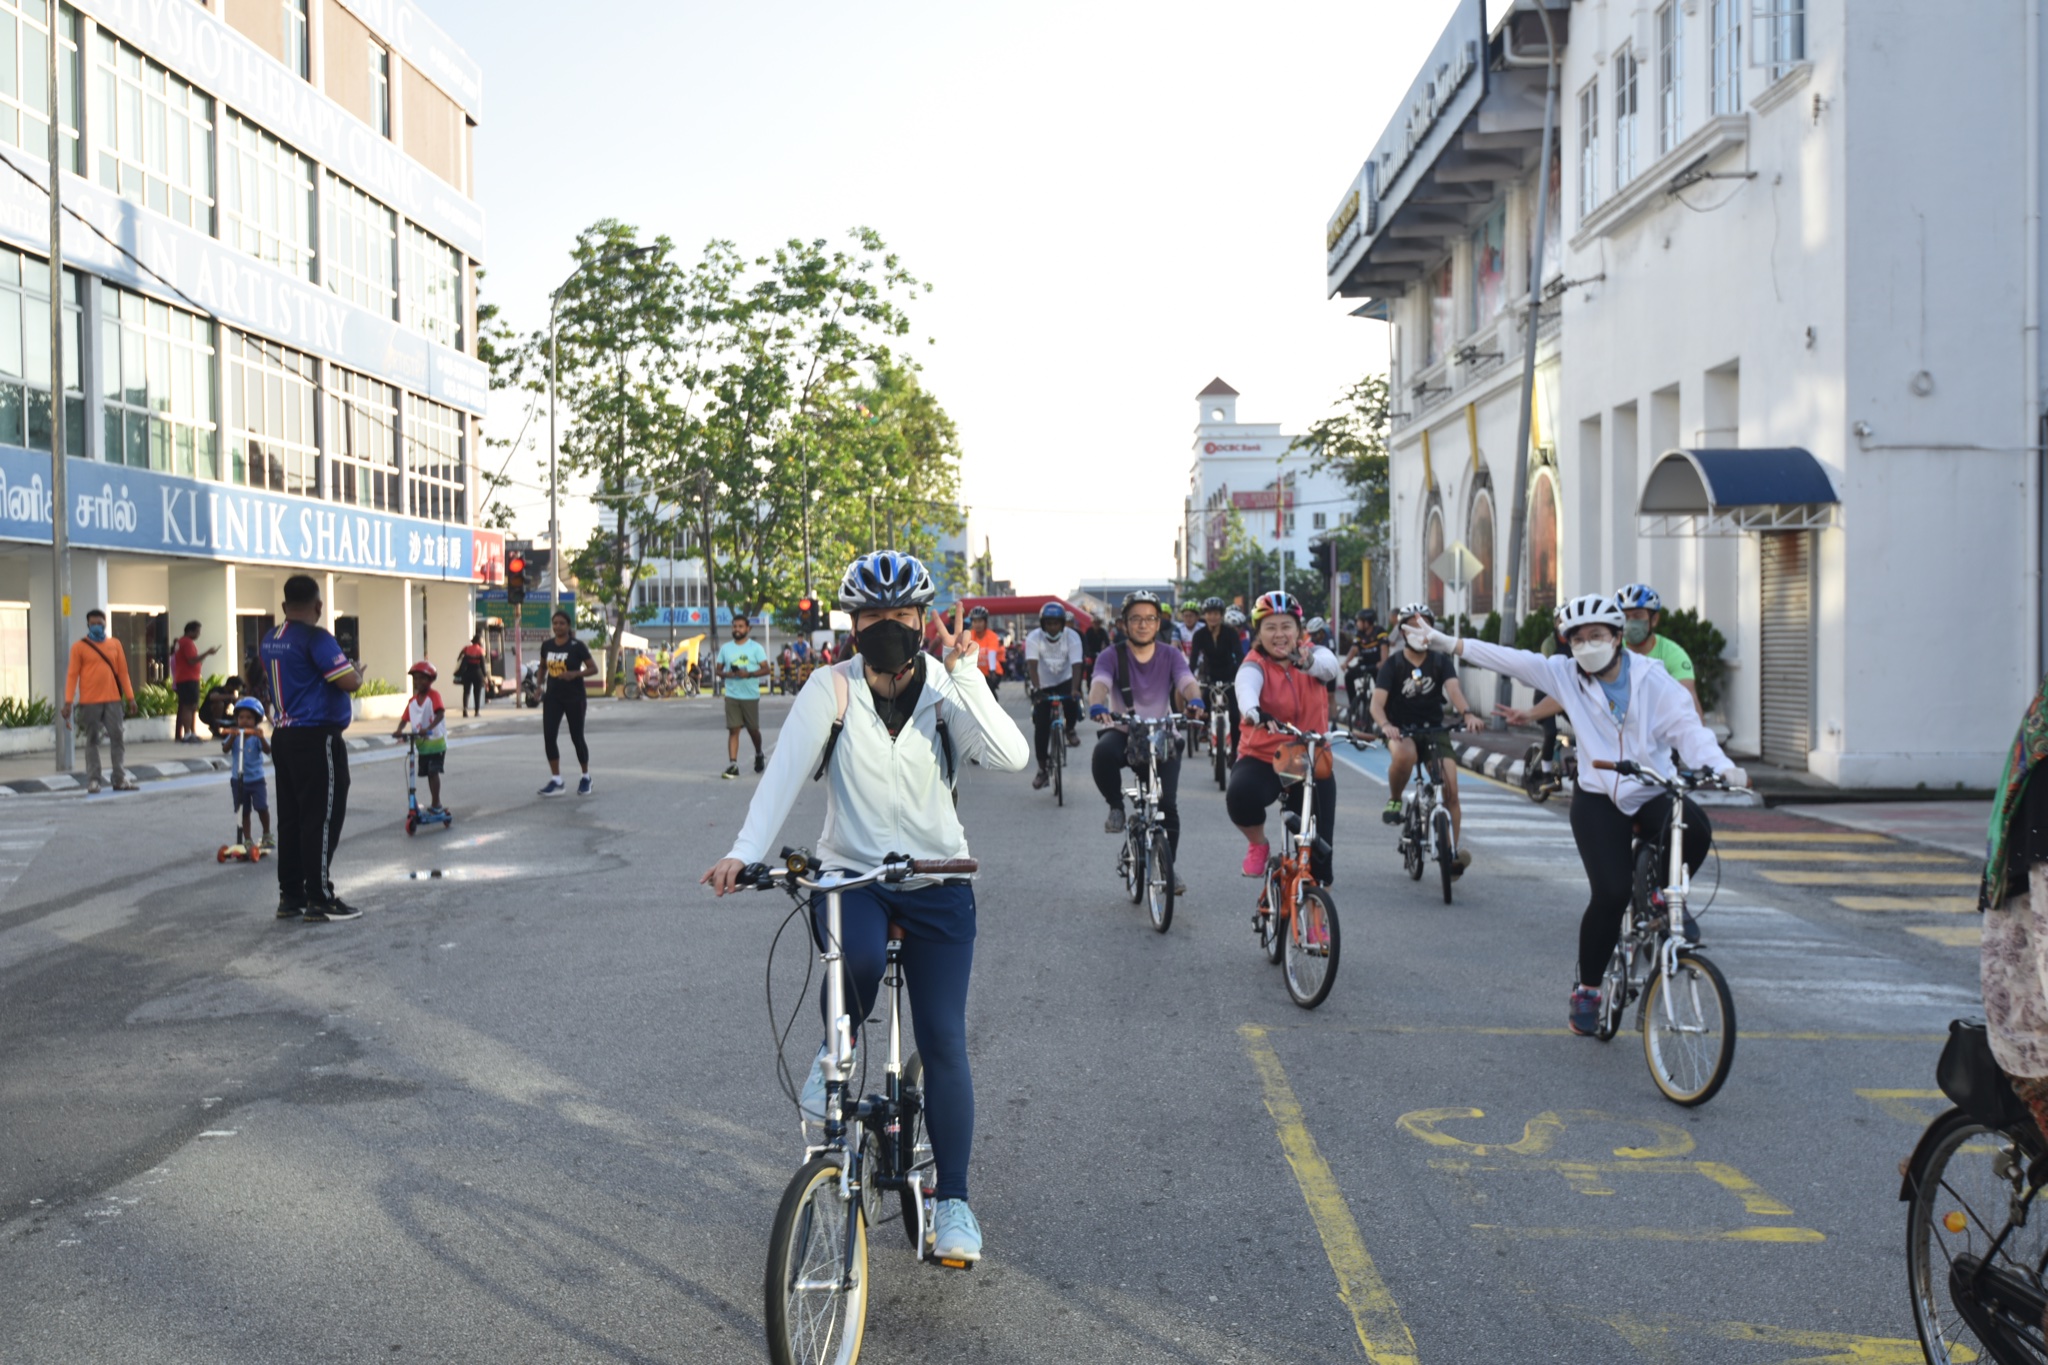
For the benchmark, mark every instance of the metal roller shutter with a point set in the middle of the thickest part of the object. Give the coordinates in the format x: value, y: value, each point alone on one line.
x: 1787, y: 647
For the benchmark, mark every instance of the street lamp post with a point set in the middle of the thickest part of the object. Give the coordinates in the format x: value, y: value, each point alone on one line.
x: 554, y: 492
x: 60, y: 520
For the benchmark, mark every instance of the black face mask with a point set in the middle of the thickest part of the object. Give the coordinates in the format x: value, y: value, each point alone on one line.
x: 888, y: 645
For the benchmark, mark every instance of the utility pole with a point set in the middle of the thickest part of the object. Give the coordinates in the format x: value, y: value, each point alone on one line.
x: 1518, y: 523
x: 60, y: 514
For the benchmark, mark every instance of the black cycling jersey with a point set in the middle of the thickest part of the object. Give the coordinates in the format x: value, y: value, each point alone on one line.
x: 1216, y: 654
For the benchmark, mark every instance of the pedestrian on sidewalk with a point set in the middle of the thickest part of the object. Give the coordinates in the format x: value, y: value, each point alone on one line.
x: 469, y: 672
x: 188, y: 667
x: 310, y: 682
x: 565, y: 662
x: 742, y: 663
x: 98, y: 677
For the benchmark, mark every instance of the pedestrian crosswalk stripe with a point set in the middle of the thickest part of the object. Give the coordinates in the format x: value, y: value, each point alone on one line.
x: 1938, y: 905
x: 1815, y: 855
x: 1898, y: 878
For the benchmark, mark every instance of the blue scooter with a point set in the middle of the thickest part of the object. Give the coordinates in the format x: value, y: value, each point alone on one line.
x: 415, y: 815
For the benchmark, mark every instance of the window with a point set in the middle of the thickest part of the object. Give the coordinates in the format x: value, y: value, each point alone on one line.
x: 1489, y: 268
x: 1624, y: 119
x: 359, y: 252
x: 362, y: 442
x: 25, y: 78
x: 380, y: 90
x: 298, y: 46
x: 25, y: 355
x: 1319, y: 520
x: 156, y: 382
x: 266, y: 198
x: 155, y: 135
x: 1589, y: 148
x: 1441, y: 320
x: 1724, y: 57
x: 1480, y: 538
x: 1780, y: 26
x: 433, y: 287
x: 1543, y: 542
x: 270, y: 416
x: 434, y: 469
x: 1670, y: 76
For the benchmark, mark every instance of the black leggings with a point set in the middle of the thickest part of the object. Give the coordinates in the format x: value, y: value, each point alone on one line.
x: 553, y: 707
x: 1254, y: 786
x: 1605, y: 838
x: 1108, y: 765
x: 473, y: 695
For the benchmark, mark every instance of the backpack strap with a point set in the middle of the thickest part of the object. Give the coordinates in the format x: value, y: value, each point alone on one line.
x: 842, y: 693
x: 1123, y: 677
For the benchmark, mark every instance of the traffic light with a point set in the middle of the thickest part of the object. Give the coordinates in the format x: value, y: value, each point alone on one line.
x: 1323, y: 554
x: 807, y: 614
x: 515, y: 579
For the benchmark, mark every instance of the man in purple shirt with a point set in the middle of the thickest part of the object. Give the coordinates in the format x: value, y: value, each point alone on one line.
x: 1151, y: 681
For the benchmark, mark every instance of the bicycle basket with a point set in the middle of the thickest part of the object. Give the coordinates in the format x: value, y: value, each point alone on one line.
x: 1970, y: 1076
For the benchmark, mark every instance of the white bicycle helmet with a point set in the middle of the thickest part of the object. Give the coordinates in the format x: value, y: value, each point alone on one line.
x: 1592, y: 609
x: 1233, y: 617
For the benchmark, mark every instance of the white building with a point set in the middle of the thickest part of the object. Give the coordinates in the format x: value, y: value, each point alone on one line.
x: 1247, y: 467
x: 1789, y: 369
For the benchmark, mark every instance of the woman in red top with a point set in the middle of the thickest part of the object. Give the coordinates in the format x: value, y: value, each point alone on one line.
x: 188, y: 667
x: 469, y: 671
x: 1283, y: 678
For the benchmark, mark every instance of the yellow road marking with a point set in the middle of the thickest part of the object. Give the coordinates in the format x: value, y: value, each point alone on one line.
x: 1540, y: 1134
x: 1584, y: 1177
x: 1949, y: 935
x: 1931, y: 905
x: 1872, y: 878
x: 1724, y: 836
x: 1898, y: 1104
x: 1829, y: 855
x: 1839, y: 1348
x: 1782, y: 1236
x: 1381, y: 1331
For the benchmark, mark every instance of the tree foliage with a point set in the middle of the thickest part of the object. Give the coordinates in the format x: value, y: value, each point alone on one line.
x: 1352, y: 442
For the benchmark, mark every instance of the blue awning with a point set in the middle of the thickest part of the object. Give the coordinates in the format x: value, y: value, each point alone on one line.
x: 1731, y: 492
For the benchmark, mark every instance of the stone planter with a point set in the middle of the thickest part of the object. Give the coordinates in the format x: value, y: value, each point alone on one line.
x: 389, y: 707
x: 41, y: 740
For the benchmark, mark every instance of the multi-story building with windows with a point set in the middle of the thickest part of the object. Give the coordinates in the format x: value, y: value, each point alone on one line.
x: 270, y: 248
x: 1247, y: 472
x: 1789, y: 365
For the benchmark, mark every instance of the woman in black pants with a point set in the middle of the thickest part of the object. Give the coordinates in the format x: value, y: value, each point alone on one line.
x: 564, y: 662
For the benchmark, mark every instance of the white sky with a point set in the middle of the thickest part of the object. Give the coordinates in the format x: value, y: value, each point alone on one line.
x: 1116, y: 203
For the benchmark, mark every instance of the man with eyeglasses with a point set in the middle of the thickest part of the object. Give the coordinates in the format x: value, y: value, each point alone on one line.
x: 1149, y: 681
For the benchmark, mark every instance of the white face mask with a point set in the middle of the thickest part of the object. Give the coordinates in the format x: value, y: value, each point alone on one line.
x: 1593, y: 655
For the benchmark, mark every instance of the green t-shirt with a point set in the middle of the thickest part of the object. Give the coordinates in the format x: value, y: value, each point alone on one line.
x: 1672, y: 655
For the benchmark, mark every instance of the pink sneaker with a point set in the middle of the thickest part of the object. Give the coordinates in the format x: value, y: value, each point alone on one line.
x: 1255, y: 860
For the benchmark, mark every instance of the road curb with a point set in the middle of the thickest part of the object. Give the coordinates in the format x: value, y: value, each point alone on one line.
x: 155, y: 772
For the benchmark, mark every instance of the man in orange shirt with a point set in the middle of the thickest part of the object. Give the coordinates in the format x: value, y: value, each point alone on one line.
x: 98, y: 678
x: 991, y: 647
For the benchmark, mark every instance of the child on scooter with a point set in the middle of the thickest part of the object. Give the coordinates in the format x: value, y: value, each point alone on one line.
x: 245, y: 746
x: 426, y: 719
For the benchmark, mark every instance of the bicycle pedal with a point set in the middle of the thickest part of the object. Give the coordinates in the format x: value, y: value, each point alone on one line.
x: 953, y: 1265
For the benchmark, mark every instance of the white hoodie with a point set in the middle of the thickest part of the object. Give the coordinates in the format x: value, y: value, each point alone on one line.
x: 882, y: 795
x: 1660, y: 718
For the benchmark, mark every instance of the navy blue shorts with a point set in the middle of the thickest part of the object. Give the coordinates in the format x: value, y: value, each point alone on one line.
x: 249, y: 795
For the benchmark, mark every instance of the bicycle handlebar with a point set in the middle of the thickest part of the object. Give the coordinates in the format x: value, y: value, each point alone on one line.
x: 1686, y: 779
x: 1281, y: 727
x: 800, y: 869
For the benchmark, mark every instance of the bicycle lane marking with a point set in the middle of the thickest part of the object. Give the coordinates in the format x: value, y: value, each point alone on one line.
x: 1381, y: 1330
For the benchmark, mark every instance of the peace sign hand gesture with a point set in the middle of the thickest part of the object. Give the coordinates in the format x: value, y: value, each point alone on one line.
x: 955, y: 644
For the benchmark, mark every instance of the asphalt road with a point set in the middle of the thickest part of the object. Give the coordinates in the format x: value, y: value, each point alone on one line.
x: 524, y: 1110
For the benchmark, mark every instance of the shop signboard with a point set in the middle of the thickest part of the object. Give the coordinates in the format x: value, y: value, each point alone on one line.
x: 114, y: 507
x: 1446, y: 91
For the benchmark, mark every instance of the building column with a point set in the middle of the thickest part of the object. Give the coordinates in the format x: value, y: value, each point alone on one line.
x: 50, y: 640
x: 447, y: 626
x: 385, y: 610
x: 205, y: 592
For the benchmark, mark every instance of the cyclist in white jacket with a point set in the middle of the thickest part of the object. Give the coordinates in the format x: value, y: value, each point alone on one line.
x: 887, y: 731
x: 1622, y: 705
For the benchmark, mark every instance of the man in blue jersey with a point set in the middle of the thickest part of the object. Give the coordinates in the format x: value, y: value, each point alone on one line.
x: 310, y: 681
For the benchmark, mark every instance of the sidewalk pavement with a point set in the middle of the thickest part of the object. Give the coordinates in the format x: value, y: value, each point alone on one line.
x: 159, y: 759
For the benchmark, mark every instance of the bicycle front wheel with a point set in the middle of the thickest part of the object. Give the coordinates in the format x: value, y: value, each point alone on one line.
x: 1960, y: 1202
x: 1688, y: 1024
x: 1059, y: 767
x: 1446, y: 858
x: 1312, y: 946
x: 1159, y: 882
x: 1533, y: 784
x: 817, y: 1286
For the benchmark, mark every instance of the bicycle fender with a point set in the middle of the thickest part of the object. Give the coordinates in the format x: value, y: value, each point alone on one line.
x: 1913, y: 1162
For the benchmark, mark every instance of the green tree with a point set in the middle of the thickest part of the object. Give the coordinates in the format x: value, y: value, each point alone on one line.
x: 618, y: 319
